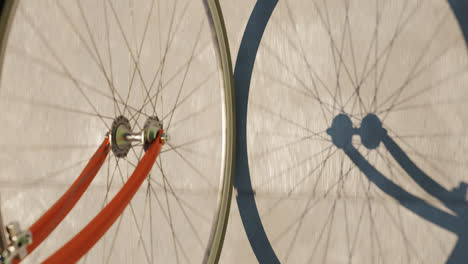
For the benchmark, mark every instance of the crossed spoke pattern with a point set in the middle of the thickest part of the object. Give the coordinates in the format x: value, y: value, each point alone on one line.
x: 69, y: 69
x: 404, y: 61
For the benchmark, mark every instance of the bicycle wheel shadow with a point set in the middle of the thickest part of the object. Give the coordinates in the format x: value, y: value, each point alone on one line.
x: 258, y: 239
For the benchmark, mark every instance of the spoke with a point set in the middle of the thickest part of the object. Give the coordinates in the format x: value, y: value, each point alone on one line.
x: 322, y: 231
x: 42, y: 179
x: 333, y: 44
x: 304, y: 213
x: 402, y: 23
x: 185, y: 75
x: 109, y: 183
x: 168, y: 43
x: 183, y: 202
x: 337, y: 96
x: 330, y: 228
x: 7, y: 148
x: 294, y: 74
x: 140, y: 235
x: 410, y: 149
x: 171, y: 224
x: 347, y: 229
x: 168, y: 222
x: 159, y: 31
x: 312, y: 206
x: 391, y: 168
x: 372, y: 230
x: 302, y: 55
x: 109, y: 53
x: 427, y: 105
x: 412, y: 73
x: 103, y: 204
x: 93, y: 42
x: 145, y: 203
x: 197, y: 172
x: 35, y: 102
x: 163, y: 86
x: 115, y: 238
x: 361, y: 216
x: 319, y: 167
x: 151, y: 220
x: 400, y: 227
x: 301, y: 92
x: 334, y: 50
x: 377, y: 83
x: 287, y: 120
x: 138, y: 50
x: 194, y: 90
x: 301, y: 140
x: 54, y: 70
x: 192, y: 226
x: 388, y: 48
x: 194, y: 114
x: 160, y: 68
x: 199, y: 139
x: 429, y: 87
x: 351, y: 40
x: 135, y: 61
x: 57, y: 58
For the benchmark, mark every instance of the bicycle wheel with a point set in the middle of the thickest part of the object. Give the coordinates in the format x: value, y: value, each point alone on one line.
x: 357, y: 132
x: 72, y: 69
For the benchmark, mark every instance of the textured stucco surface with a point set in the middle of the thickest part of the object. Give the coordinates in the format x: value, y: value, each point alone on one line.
x: 315, y: 205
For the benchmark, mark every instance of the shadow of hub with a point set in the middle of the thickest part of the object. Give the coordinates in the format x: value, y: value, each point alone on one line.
x: 342, y: 131
x: 371, y: 131
x: 372, y: 134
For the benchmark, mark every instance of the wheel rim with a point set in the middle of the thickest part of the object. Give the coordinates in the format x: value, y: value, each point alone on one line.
x: 82, y: 76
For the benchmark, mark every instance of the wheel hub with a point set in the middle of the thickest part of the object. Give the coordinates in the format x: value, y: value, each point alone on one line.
x: 122, y: 137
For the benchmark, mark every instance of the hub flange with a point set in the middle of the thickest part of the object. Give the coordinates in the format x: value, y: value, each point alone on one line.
x: 122, y: 136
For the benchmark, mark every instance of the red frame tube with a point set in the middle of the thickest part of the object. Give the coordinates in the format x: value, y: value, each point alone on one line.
x: 42, y: 228
x: 90, y: 235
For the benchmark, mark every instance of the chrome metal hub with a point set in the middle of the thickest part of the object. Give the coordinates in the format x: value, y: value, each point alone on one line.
x: 122, y: 137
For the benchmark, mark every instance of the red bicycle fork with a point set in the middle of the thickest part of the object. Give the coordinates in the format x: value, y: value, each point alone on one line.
x: 23, y: 243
